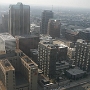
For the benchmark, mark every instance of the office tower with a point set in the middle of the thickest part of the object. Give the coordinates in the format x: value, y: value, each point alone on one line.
x: 82, y: 55
x: 54, y: 28
x: 46, y: 15
x: 5, y: 23
x: 17, y: 71
x: 19, y: 19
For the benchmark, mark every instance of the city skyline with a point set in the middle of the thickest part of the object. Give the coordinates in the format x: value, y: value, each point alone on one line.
x: 64, y: 3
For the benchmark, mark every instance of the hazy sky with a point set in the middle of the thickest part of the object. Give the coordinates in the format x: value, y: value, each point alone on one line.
x: 70, y: 3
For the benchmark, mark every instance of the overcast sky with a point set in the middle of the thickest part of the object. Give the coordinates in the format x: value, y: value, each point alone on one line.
x: 69, y: 3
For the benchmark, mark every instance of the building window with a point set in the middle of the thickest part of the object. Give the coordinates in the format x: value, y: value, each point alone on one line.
x: 6, y: 73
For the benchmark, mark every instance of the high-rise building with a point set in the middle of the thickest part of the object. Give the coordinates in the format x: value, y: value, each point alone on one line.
x: 48, y: 54
x: 82, y: 55
x: 7, y: 74
x: 54, y: 28
x: 19, y: 19
x: 5, y: 22
x: 46, y: 15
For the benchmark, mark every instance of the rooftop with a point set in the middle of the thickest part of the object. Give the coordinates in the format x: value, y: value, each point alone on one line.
x: 72, y: 32
x: 34, y: 51
x: 75, y: 71
x: 29, y: 62
x: 6, y: 64
x: 6, y: 36
x: 47, y: 11
x: 26, y: 36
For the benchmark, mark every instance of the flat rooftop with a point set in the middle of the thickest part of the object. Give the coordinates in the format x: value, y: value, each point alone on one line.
x: 75, y: 71
x: 6, y: 36
x: 6, y: 64
x: 34, y: 51
x: 53, y: 45
x: 58, y: 42
x: 29, y: 62
x: 26, y: 36
x: 62, y: 63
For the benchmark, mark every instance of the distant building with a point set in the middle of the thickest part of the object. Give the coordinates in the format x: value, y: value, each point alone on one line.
x: 35, y: 30
x: 46, y: 15
x: 82, y: 55
x: 85, y: 35
x: 19, y: 19
x: 5, y: 22
x: 71, y: 35
x: 54, y: 28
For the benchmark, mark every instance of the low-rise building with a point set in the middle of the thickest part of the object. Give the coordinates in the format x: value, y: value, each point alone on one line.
x: 75, y: 73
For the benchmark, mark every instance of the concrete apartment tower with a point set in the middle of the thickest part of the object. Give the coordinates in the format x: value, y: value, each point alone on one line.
x: 46, y: 15
x: 19, y: 19
x: 54, y: 28
x: 82, y: 55
x: 7, y: 75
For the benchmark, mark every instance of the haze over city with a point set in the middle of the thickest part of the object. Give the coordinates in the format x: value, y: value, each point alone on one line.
x: 45, y: 45
x: 65, y: 3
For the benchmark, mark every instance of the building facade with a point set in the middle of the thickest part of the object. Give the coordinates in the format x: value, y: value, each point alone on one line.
x: 49, y: 53
x: 27, y: 42
x: 82, y: 55
x: 47, y: 59
x: 54, y: 28
x: 19, y: 19
x: 46, y: 15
